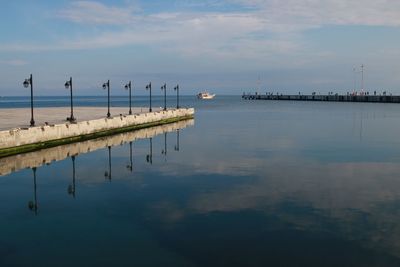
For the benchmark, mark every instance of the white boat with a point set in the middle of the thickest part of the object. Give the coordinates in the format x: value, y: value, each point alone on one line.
x: 205, y: 95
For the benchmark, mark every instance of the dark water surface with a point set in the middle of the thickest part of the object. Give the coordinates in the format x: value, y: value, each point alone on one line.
x: 259, y: 183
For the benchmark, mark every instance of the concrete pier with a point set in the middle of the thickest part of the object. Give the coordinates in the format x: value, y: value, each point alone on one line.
x: 21, y: 140
x: 334, y: 98
x: 49, y: 155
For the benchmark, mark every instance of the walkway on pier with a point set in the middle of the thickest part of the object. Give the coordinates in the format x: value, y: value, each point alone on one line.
x: 19, y: 117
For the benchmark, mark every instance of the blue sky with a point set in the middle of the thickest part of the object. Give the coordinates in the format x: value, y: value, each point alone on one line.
x: 221, y: 46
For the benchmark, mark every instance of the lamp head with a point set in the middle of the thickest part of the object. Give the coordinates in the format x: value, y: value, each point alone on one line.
x: 26, y: 83
x: 67, y: 84
x: 104, y: 86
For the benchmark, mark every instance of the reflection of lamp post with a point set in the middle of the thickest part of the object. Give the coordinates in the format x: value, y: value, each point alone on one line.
x: 148, y: 87
x: 71, y: 188
x: 130, y: 166
x: 26, y: 83
x: 33, y: 204
x: 68, y: 84
x: 149, y: 157
x: 176, y: 88
x: 164, y: 151
x: 164, y: 87
x: 177, y: 140
x: 107, y: 86
x: 129, y: 86
x: 108, y: 174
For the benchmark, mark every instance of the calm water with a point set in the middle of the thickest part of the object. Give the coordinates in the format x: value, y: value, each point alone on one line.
x: 249, y: 184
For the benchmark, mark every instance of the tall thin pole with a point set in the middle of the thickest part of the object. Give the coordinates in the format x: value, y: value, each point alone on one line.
x: 148, y: 87
x: 362, y: 78
x: 130, y: 98
x: 176, y: 88
x: 165, y: 96
x: 71, y: 118
x: 32, y: 120
x: 150, y: 96
x: 108, y: 92
x: 164, y: 87
x: 354, y: 79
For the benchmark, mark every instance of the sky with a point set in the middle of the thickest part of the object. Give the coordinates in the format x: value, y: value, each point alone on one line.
x: 226, y: 46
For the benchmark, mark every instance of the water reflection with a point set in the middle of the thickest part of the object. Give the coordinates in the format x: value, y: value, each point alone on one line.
x: 164, y: 151
x: 130, y: 165
x: 107, y: 174
x: 32, y: 204
x: 149, y: 157
x: 71, y: 187
x: 177, y: 141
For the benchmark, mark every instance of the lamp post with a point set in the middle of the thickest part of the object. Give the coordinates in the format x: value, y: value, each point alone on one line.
x: 107, y: 86
x: 33, y: 203
x: 164, y: 87
x: 148, y: 87
x: 149, y: 157
x: 129, y: 86
x: 71, y: 188
x: 29, y: 82
x: 176, y: 88
x: 362, y: 78
x: 68, y: 85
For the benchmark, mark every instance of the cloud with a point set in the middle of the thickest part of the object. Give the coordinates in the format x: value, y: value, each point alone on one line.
x: 258, y: 30
x: 97, y: 13
x: 304, y: 14
x: 14, y: 62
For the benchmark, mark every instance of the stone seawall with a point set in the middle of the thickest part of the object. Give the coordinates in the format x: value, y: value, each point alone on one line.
x: 20, y: 140
x: 49, y: 155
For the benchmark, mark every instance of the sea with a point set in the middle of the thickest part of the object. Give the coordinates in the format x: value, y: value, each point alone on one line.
x: 246, y: 183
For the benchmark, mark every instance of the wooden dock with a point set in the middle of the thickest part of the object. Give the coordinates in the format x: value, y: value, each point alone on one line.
x: 332, y: 98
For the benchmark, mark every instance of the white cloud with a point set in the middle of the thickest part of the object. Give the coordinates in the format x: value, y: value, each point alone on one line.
x: 315, y: 13
x: 261, y: 29
x: 14, y: 62
x: 97, y: 13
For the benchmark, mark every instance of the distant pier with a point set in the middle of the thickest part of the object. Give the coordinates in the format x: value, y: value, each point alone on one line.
x: 331, y: 97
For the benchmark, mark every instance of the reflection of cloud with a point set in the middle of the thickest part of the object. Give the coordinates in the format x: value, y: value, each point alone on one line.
x: 350, y: 193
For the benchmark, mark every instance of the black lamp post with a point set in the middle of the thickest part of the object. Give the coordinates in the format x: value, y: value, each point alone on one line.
x: 68, y: 85
x: 71, y: 188
x: 129, y: 86
x: 107, y: 86
x: 164, y: 87
x: 33, y: 204
x: 108, y: 174
x: 26, y: 83
x: 177, y: 140
x: 148, y: 87
x: 176, y: 88
x: 149, y: 157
